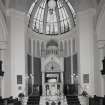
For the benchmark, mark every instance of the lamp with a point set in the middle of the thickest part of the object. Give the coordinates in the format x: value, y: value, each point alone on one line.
x: 51, y: 5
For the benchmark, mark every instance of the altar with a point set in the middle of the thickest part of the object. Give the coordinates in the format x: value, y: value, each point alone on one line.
x: 52, y: 83
x: 53, y: 100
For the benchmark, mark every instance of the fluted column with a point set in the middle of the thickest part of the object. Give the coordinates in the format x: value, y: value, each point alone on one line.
x: 72, y: 80
x: 62, y: 82
x: 26, y: 84
x: 32, y: 55
x: 43, y: 83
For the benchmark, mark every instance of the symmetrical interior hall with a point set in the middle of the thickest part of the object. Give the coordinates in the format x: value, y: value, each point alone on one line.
x: 52, y: 50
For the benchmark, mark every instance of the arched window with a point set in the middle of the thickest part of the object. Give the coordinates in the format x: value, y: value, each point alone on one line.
x: 54, y: 21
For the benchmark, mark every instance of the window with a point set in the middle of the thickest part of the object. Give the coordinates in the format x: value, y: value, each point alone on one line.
x: 19, y: 79
x: 60, y: 21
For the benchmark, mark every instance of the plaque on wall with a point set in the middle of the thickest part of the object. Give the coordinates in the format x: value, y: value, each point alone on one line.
x: 20, y: 88
x: 19, y: 79
x: 86, y: 78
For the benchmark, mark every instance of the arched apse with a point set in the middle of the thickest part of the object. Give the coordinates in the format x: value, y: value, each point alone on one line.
x: 4, y: 57
x: 3, y: 29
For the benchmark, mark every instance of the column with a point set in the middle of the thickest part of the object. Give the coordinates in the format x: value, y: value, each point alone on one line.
x: 43, y: 84
x: 62, y: 83
x: 104, y: 75
x: 1, y: 72
x: 72, y: 77
x: 26, y: 84
x: 32, y: 55
x: 0, y: 79
x: 0, y: 86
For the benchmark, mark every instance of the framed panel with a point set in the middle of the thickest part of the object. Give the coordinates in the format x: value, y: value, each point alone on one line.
x: 86, y: 78
x: 19, y: 79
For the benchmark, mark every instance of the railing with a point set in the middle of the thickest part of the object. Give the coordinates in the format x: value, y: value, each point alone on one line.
x: 56, y: 52
x: 70, y: 89
x: 97, y: 100
x: 9, y: 101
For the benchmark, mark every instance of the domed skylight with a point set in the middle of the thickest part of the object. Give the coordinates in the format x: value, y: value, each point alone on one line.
x: 56, y: 21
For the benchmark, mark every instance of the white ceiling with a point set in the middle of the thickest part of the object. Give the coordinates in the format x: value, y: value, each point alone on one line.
x: 22, y: 5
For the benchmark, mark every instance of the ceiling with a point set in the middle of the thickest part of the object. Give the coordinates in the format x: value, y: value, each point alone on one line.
x: 59, y: 20
x: 23, y: 5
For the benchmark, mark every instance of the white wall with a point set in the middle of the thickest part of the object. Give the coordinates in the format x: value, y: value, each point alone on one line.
x: 86, y: 42
x: 86, y: 4
x: 6, y: 82
x: 17, y: 46
x: 100, y: 33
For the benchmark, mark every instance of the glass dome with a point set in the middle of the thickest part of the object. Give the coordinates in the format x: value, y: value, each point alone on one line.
x: 48, y: 21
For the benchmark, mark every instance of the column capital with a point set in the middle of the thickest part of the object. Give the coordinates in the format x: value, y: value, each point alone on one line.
x: 101, y: 44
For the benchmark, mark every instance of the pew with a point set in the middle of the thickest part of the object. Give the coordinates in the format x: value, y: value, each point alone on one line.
x: 9, y: 101
x: 96, y: 100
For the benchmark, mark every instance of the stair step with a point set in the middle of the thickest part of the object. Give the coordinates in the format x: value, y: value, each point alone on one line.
x: 73, y: 100
x: 33, y: 100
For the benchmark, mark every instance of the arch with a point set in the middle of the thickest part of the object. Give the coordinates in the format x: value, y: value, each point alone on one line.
x: 3, y: 45
x: 3, y: 30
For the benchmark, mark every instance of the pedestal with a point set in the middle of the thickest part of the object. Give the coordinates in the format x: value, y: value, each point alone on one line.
x: 1, y: 85
x: 104, y: 83
x: 84, y: 100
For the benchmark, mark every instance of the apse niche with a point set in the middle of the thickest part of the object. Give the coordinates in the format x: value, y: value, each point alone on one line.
x: 52, y: 56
